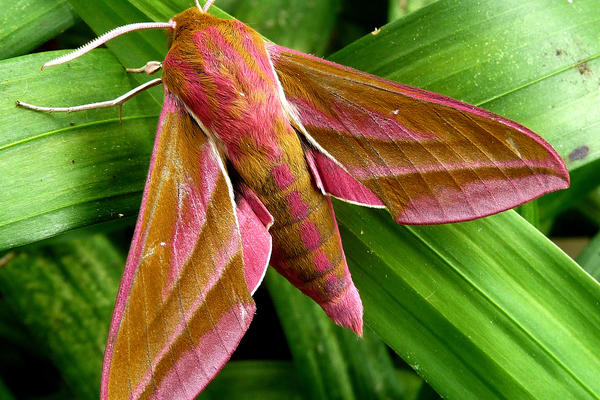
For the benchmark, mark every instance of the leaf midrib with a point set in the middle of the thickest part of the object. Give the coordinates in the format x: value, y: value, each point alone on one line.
x: 76, y: 127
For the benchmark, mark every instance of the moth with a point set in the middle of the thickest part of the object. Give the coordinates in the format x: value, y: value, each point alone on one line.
x: 253, y: 139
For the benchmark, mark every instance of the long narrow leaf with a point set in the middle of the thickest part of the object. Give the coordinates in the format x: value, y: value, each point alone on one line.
x: 64, y: 171
x: 589, y: 258
x: 317, y: 353
x: 248, y: 380
x: 64, y: 294
x: 401, y: 8
x: 485, y: 309
x: 25, y: 24
x: 333, y: 362
x: 590, y: 207
x: 301, y: 25
x: 5, y: 393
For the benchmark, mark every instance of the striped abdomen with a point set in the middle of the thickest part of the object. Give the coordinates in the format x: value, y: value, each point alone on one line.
x: 306, y: 243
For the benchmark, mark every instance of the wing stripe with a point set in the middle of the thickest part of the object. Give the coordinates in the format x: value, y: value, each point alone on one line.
x: 398, y: 148
x: 181, y: 385
x: 379, y: 190
x: 429, y: 158
x: 387, y: 149
x: 419, y: 169
x: 140, y: 244
x: 160, y: 187
x: 176, y: 327
x: 146, y: 335
x: 178, y: 341
x: 486, y: 154
x: 474, y: 171
x: 185, y: 319
x: 512, y: 150
x: 233, y: 207
x: 363, y: 160
x: 398, y: 187
x: 195, y: 307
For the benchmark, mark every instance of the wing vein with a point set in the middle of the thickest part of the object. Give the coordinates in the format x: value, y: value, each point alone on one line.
x: 513, y: 151
x: 395, y: 176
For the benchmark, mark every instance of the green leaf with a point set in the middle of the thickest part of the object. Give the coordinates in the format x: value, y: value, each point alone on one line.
x: 583, y: 180
x: 265, y: 380
x: 531, y: 213
x: 5, y: 393
x: 316, y: 351
x: 64, y: 295
x: 590, y: 206
x: 163, y: 11
x: 65, y: 171
x: 478, y: 308
x: 25, y: 24
x: 589, y: 259
x: 371, y: 370
x: 301, y: 25
x: 133, y: 49
x: 333, y: 362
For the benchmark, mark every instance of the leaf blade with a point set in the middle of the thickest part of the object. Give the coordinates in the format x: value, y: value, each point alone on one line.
x: 25, y: 24
x: 480, y: 361
x: 85, y: 163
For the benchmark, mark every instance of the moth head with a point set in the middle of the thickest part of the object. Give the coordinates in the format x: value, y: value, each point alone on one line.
x: 190, y: 21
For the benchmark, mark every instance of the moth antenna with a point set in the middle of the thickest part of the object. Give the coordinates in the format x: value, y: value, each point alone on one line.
x: 199, y: 6
x: 106, y: 37
x: 102, y: 104
x: 206, y: 5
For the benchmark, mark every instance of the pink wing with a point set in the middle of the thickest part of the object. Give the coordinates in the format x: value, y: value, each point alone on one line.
x: 334, y: 180
x: 183, y: 304
x: 254, y: 220
x: 430, y: 159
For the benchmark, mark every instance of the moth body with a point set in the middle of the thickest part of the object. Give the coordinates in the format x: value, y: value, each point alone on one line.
x: 296, y: 129
x: 221, y: 71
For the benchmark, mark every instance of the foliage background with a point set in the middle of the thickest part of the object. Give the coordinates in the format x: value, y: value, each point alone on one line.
x: 485, y: 309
